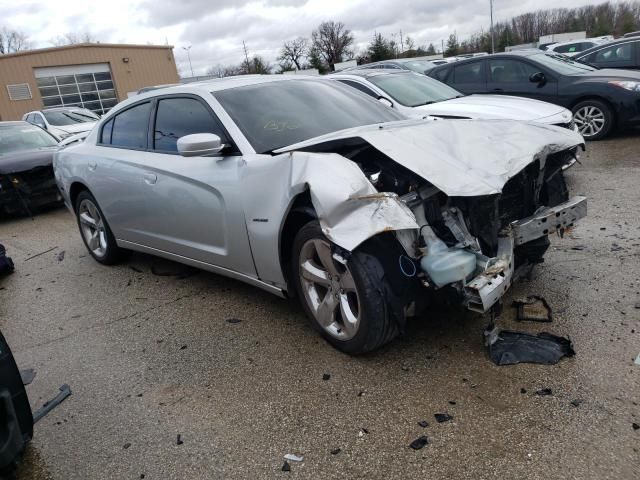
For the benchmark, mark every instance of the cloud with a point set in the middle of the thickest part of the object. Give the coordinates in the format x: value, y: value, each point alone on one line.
x: 217, y: 29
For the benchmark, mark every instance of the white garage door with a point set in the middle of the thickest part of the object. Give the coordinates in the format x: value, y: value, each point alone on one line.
x: 87, y: 86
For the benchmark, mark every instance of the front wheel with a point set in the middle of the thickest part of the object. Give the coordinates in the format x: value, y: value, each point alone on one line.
x: 95, y: 230
x: 593, y: 118
x: 345, y: 300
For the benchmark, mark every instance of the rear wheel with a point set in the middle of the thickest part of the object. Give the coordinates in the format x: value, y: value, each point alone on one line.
x: 345, y: 300
x: 593, y: 118
x: 95, y: 230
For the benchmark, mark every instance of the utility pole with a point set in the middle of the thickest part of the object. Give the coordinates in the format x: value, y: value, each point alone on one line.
x: 246, y: 56
x: 442, y: 47
x: 189, y: 57
x: 493, y: 44
x: 401, y: 43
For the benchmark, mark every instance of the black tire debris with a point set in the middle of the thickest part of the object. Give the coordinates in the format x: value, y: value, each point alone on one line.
x: 326, y: 376
x: 544, y: 392
x: 423, y: 423
x: 419, y: 442
x: 443, y: 417
x: 286, y: 467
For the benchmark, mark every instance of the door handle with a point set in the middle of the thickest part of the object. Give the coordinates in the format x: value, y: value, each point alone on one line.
x: 150, y: 178
x: 92, y: 165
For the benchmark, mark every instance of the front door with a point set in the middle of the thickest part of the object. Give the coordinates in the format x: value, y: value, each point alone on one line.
x: 512, y: 77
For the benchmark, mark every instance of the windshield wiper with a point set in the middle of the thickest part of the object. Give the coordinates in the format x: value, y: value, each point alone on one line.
x: 425, y: 103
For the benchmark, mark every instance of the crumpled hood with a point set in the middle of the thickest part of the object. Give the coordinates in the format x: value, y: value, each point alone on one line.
x: 460, y: 157
x: 27, y: 160
x: 495, y: 107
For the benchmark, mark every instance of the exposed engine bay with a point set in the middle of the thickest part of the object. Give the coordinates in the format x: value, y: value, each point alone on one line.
x: 475, y: 245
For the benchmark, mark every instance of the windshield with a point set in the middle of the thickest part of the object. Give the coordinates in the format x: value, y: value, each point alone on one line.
x: 18, y: 138
x: 60, y: 118
x: 413, y: 90
x: 276, y: 114
x: 419, y: 66
x: 561, y: 64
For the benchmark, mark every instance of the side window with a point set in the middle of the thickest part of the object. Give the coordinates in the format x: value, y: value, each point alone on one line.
x: 106, y: 132
x: 472, y: 72
x: 510, y: 71
x: 177, y: 117
x: 38, y: 120
x: 130, y: 127
x: 29, y: 118
x: 442, y: 74
x: 615, y: 53
x: 360, y: 87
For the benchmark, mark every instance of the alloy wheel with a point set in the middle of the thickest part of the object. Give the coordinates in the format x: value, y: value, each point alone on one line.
x: 93, y: 228
x: 590, y: 120
x: 329, y: 290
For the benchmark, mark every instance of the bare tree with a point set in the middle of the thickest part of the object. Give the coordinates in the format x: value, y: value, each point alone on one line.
x: 331, y: 41
x: 73, y: 38
x: 218, y: 70
x: 12, y: 41
x: 294, y: 51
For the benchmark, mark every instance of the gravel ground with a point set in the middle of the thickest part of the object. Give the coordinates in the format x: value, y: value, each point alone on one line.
x: 152, y: 357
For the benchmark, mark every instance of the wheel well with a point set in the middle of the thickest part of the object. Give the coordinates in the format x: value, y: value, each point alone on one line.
x: 300, y: 213
x: 74, y: 191
x: 595, y: 97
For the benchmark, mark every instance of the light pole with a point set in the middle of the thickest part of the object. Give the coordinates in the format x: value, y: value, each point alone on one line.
x: 189, y: 57
x: 493, y: 46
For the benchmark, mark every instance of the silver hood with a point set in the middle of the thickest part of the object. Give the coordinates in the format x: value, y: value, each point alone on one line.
x: 461, y: 157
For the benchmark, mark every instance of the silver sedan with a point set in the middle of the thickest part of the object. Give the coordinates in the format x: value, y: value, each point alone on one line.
x: 311, y: 189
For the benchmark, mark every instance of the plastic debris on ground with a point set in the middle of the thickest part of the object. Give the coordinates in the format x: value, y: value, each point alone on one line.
x: 286, y: 467
x: 419, y: 442
x: 533, y: 308
x: 509, y: 348
x: 443, y: 417
x: 637, y: 360
x: 293, y: 458
x: 27, y: 375
x: 544, y: 392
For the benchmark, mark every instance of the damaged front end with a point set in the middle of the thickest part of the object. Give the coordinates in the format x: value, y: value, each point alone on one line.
x: 24, y: 191
x: 476, y: 223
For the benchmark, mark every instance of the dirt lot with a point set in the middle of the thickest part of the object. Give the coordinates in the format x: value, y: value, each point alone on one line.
x: 149, y: 357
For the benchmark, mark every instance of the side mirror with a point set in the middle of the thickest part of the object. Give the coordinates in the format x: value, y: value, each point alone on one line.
x: 538, y: 77
x: 385, y: 101
x: 200, y: 145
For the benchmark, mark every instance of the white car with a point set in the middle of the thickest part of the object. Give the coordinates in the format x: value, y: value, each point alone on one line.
x: 574, y: 47
x: 417, y: 96
x: 62, y: 122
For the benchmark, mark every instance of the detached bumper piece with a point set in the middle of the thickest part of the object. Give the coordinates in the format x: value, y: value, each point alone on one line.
x: 484, y: 290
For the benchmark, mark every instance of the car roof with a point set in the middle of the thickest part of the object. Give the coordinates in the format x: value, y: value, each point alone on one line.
x: 620, y: 41
x: 373, y: 73
x: 14, y: 123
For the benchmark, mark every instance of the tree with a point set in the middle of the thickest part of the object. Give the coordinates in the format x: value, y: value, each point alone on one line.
x: 294, y: 52
x: 431, y: 49
x: 12, y: 41
x: 256, y: 65
x: 331, y: 42
x: 73, y: 38
x: 379, y: 49
x: 218, y: 70
x: 452, y: 46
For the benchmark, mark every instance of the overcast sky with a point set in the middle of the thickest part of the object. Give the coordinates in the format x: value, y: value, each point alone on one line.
x: 216, y: 28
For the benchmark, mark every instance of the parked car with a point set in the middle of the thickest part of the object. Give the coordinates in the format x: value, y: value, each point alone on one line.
x: 416, y: 95
x: 62, y: 122
x: 599, y: 99
x: 26, y: 172
x: 575, y: 47
x: 623, y: 53
x: 631, y: 34
x: 412, y: 64
x: 308, y: 188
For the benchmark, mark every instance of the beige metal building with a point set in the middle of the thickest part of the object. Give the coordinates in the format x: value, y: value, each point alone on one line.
x: 90, y: 75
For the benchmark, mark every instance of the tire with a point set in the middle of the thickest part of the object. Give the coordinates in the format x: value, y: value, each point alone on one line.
x: 593, y: 118
x: 95, y: 231
x: 357, y: 290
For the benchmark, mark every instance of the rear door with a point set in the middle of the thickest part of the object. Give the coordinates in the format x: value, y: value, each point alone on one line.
x: 511, y: 76
x: 469, y: 77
